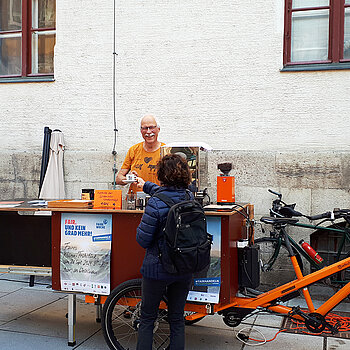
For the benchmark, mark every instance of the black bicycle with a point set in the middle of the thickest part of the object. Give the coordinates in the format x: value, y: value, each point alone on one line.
x: 274, y: 256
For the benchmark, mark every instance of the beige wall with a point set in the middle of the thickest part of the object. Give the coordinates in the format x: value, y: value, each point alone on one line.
x: 210, y: 71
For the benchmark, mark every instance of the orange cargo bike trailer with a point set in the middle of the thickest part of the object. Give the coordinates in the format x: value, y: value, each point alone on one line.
x: 121, y: 310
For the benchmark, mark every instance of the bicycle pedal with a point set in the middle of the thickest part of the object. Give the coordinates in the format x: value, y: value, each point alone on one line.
x: 334, y: 329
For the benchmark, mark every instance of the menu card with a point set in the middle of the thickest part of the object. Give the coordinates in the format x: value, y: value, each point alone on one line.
x: 111, y: 199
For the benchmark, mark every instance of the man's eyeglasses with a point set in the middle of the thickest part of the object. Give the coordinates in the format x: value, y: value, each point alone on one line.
x: 151, y: 128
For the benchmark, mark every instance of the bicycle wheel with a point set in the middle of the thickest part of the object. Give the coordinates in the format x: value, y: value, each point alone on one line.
x: 281, y: 271
x: 121, y: 317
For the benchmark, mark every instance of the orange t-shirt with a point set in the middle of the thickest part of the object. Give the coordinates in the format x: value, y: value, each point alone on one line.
x: 143, y: 162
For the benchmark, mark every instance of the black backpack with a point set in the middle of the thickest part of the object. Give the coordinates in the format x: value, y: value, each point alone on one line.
x: 186, y: 244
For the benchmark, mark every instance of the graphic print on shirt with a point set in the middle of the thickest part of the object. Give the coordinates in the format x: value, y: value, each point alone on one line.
x: 138, y: 166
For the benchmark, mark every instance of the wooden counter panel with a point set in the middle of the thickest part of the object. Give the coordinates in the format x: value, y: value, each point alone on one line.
x: 127, y: 254
x: 25, y: 239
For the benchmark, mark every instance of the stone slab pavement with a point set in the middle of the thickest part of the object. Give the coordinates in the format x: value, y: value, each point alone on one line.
x: 35, y: 318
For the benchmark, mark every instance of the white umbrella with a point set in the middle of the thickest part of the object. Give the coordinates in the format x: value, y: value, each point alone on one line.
x: 53, y: 184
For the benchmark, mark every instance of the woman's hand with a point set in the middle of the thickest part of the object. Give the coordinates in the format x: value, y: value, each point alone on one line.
x: 140, y: 182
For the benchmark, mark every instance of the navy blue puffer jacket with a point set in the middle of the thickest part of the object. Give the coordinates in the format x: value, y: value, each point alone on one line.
x: 148, y: 232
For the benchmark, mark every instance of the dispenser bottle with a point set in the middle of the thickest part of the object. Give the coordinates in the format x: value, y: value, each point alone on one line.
x: 311, y: 252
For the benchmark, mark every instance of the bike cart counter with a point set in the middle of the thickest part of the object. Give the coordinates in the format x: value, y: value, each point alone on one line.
x: 126, y: 255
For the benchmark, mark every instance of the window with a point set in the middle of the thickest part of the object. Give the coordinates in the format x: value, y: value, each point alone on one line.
x: 317, y: 32
x: 27, y: 37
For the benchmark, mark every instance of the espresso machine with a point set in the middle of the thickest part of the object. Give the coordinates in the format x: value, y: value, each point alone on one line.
x: 225, y: 185
x: 196, y: 154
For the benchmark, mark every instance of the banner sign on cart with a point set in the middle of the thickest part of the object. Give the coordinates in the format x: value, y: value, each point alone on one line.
x: 206, y: 284
x: 85, y: 252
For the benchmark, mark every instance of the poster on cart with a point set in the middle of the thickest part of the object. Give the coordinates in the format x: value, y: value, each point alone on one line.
x: 205, y: 285
x: 85, y: 252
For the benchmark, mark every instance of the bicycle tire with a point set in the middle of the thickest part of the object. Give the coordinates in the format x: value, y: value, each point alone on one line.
x: 282, y: 270
x: 120, y: 319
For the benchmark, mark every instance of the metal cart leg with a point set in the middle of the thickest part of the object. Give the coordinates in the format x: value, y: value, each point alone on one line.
x: 31, y: 280
x: 98, y: 313
x: 72, y: 312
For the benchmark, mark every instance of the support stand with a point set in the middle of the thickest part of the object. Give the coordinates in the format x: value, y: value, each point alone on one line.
x: 72, y: 312
x: 98, y: 313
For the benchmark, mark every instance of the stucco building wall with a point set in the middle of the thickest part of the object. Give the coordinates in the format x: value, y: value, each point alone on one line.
x: 210, y: 72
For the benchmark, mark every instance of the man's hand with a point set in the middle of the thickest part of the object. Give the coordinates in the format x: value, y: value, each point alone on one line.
x: 121, y: 176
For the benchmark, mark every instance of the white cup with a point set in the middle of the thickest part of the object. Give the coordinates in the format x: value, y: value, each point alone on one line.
x: 131, y: 177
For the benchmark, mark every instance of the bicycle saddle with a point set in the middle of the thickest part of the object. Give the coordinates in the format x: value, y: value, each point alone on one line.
x: 273, y: 221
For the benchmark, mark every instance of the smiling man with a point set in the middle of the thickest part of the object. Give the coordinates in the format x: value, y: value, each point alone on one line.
x: 143, y: 157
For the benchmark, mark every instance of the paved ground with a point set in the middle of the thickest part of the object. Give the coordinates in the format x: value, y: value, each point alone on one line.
x: 35, y: 318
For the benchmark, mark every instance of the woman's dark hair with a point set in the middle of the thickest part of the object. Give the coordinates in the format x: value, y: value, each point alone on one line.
x: 173, y: 170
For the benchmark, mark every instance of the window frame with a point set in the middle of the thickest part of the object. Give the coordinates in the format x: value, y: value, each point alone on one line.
x: 335, y: 38
x: 26, y: 48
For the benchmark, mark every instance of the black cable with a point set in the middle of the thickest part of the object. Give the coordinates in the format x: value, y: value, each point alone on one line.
x: 115, y: 130
x: 245, y: 210
x: 246, y: 216
x: 240, y: 212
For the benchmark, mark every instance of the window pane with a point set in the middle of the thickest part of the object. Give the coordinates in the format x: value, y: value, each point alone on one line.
x: 10, y: 53
x: 310, y: 36
x: 44, y: 13
x: 43, y: 51
x: 347, y: 2
x: 309, y: 3
x: 347, y: 33
x: 10, y: 15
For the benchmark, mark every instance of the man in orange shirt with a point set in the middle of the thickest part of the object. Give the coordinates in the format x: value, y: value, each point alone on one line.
x: 143, y: 157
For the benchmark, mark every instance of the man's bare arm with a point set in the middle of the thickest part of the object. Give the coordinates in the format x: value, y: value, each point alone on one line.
x: 121, y: 177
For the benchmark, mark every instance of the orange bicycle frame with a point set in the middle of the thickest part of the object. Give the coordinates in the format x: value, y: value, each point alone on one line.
x: 268, y: 299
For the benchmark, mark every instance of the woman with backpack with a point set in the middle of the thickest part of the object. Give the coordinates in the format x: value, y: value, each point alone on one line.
x: 174, y: 175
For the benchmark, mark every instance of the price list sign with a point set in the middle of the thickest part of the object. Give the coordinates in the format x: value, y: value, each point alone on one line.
x: 111, y: 199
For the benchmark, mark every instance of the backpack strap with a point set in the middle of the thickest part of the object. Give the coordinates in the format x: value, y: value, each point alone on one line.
x: 169, y: 202
x: 188, y: 194
x: 164, y: 198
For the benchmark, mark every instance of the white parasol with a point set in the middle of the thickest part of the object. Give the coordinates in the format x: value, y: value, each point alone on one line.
x: 53, y: 184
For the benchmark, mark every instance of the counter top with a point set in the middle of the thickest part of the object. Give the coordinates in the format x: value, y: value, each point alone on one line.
x: 26, y: 207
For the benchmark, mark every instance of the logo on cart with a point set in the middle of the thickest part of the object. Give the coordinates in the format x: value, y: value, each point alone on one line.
x: 102, y: 225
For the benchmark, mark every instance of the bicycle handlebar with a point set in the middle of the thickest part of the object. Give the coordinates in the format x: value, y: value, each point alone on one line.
x: 335, y: 214
x: 282, y: 209
x: 326, y: 215
x: 276, y: 193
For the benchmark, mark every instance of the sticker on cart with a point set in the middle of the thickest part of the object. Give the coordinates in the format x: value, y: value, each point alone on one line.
x: 85, y: 252
x: 210, y: 290
x: 205, y: 286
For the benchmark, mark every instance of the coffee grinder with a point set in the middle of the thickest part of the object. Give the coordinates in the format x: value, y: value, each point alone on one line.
x: 225, y: 185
